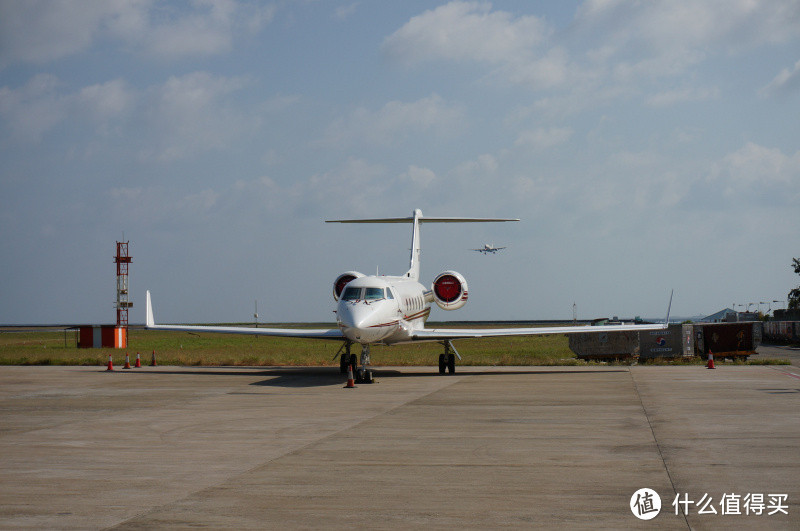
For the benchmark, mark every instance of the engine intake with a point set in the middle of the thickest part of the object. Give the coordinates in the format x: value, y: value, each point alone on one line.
x: 342, y: 280
x: 450, y: 290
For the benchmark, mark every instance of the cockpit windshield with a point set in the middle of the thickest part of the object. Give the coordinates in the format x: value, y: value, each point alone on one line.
x: 351, y: 294
x: 373, y: 294
x: 367, y: 294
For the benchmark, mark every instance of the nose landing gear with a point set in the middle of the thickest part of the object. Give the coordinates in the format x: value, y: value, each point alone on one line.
x: 364, y: 375
x: 347, y: 359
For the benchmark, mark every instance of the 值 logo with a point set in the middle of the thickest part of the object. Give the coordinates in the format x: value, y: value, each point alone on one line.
x: 645, y: 504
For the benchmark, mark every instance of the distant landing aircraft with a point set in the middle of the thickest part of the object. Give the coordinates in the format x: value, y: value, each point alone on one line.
x: 385, y: 310
x: 487, y: 248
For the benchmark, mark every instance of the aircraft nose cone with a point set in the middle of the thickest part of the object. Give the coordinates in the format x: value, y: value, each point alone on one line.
x: 357, y: 322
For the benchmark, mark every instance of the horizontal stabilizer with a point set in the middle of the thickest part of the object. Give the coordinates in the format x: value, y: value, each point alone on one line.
x: 422, y: 220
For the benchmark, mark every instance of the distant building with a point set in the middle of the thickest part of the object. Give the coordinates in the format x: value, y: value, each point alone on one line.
x: 729, y: 315
x: 719, y: 317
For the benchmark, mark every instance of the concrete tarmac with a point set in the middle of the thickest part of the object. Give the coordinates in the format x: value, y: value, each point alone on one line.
x: 487, y: 447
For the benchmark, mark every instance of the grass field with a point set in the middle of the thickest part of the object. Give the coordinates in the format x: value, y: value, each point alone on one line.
x: 181, y: 348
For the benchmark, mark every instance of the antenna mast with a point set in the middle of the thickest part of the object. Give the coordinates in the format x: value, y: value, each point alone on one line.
x: 122, y: 260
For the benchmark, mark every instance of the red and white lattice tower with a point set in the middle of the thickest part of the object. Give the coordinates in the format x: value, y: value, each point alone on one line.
x: 122, y: 260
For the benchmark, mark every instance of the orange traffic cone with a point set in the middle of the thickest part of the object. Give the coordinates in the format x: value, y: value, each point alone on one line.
x: 710, y: 364
x: 110, y: 364
x: 127, y: 361
x: 350, y: 382
x: 138, y: 361
x: 153, y: 363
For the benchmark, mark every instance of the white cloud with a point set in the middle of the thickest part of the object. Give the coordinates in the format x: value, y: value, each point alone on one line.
x: 198, y: 204
x: 396, y: 120
x: 344, y: 12
x: 194, y: 112
x: 729, y: 24
x: 38, y: 32
x: 182, y: 116
x: 358, y: 186
x: 419, y: 177
x: 32, y: 110
x: 666, y: 38
x: 757, y: 174
x: 611, y: 49
x: 465, y: 31
x: 787, y: 81
x: 41, y: 105
x: 107, y: 100
x: 671, y: 97
x: 754, y: 164
x: 541, y: 138
x: 485, y: 165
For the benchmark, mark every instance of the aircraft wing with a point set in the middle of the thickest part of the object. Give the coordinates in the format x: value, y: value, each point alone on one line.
x: 334, y: 333
x: 444, y: 334
x: 441, y: 334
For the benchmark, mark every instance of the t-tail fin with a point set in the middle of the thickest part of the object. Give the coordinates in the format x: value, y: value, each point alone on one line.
x: 416, y: 219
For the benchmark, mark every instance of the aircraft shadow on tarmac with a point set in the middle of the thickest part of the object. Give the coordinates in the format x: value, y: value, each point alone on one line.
x: 325, y: 376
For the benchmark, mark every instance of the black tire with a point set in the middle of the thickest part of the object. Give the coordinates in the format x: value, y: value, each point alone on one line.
x: 442, y: 364
x: 451, y: 364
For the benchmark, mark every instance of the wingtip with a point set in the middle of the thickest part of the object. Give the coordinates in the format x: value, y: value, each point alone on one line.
x: 149, y: 322
x: 669, y: 308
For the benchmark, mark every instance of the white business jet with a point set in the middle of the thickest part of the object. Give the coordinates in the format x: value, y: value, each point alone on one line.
x: 486, y: 249
x: 387, y: 310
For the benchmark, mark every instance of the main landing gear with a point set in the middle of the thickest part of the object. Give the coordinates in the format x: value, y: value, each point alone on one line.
x: 360, y: 374
x: 447, y: 361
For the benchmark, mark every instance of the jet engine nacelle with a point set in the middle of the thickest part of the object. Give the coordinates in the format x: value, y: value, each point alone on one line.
x: 342, y: 280
x: 450, y: 290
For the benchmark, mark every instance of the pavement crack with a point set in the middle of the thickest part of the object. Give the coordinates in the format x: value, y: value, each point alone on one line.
x: 658, y: 445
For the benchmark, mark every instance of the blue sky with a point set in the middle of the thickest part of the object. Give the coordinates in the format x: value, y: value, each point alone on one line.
x: 645, y: 146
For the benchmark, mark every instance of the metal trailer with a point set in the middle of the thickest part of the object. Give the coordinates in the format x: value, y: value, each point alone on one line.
x: 667, y: 343
x: 605, y: 345
x: 724, y: 340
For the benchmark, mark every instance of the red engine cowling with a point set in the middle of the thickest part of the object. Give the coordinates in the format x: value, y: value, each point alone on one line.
x: 342, y: 280
x: 450, y: 290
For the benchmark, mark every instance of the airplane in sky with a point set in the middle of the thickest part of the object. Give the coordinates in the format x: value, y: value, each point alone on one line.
x: 386, y: 310
x: 488, y: 248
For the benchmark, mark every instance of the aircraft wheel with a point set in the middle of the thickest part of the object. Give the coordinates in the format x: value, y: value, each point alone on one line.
x: 451, y: 363
x: 343, y: 362
x: 354, y: 363
x: 442, y: 364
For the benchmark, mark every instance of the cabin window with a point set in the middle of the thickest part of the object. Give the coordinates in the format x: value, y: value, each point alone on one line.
x: 389, y: 294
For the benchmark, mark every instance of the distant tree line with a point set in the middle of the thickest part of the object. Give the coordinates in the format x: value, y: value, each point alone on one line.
x: 794, y: 295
